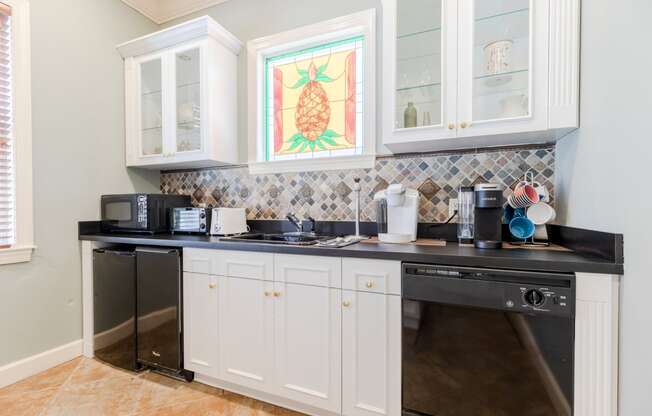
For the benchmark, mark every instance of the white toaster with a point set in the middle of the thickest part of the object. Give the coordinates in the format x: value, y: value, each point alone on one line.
x: 228, y: 221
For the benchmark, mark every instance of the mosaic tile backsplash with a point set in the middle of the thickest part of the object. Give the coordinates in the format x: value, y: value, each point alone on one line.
x: 328, y: 196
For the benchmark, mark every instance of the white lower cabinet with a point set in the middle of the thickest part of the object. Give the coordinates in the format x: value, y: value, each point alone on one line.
x: 371, y: 354
x: 200, y: 321
x: 308, y: 344
x: 300, y: 339
x: 246, y: 337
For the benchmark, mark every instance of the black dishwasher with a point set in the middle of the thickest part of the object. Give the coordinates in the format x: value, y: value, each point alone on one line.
x: 487, y: 342
x: 159, y: 312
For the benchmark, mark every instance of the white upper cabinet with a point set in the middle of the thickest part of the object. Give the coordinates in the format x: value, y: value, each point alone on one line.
x: 181, y: 97
x: 476, y: 73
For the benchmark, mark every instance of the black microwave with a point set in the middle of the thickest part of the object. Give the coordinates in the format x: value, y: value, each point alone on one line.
x: 140, y: 213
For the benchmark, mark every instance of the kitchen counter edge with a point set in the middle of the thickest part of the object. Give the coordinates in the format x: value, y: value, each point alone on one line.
x: 452, y: 254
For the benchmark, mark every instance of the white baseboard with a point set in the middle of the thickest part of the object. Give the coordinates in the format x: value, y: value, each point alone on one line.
x: 19, y: 370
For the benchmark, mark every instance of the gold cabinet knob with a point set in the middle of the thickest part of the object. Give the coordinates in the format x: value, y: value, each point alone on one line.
x: 451, y: 126
x: 463, y: 125
x: 277, y: 294
x: 346, y: 303
x: 370, y: 284
x: 212, y: 285
x: 267, y: 293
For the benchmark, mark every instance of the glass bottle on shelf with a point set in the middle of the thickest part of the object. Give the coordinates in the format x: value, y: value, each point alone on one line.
x: 419, y: 61
x: 410, y: 116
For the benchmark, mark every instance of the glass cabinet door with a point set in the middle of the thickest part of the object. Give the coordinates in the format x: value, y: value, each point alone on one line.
x: 188, y: 100
x: 418, y: 63
x: 498, y: 40
x: 151, y: 108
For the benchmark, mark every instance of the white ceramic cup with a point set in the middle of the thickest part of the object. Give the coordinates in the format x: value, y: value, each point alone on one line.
x: 540, y: 232
x: 543, y: 192
x: 541, y: 213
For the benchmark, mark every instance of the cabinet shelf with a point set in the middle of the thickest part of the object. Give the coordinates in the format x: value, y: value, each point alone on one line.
x: 478, y: 19
x: 179, y: 87
x: 418, y: 87
x: 502, y: 83
x: 421, y: 32
x: 499, y: 15
x: 152, y: 128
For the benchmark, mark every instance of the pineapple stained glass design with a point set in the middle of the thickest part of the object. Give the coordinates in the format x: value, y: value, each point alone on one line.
x: 314, y: 102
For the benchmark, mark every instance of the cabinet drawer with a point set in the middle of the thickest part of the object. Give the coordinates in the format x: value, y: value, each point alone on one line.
x: 308, y: 270
x: 243, y: 264
x: 197, y: 260
x: 378, y: 276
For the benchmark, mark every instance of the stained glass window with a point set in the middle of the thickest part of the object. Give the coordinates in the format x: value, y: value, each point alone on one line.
x: 314, y: 102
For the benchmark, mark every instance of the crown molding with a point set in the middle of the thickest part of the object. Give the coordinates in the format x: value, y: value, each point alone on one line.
x: 162, y: 11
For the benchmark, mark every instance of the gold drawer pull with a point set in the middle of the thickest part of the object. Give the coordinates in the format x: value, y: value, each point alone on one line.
x: 277, y: 294
x: 370, y: 284
x: 267, y: 293
x: 346, y: 303
x: 212, y: 285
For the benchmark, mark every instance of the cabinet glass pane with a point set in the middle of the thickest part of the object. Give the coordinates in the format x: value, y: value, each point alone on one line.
x: 501, y: 59
x: 151, y: 108
x: 188, y: 101
x: 419, y: 63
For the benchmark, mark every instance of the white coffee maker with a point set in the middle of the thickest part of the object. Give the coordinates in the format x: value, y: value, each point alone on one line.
x: 397, y: 210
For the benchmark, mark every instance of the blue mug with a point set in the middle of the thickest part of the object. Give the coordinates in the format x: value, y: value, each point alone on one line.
x: 510, y: 213
x: 521, y: 227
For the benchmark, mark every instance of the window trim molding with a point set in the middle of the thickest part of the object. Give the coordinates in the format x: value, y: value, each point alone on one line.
x: 360, y: 23
x: 24, y: 246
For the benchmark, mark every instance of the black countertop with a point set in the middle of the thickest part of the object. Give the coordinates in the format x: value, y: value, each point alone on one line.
x: 452, y: 254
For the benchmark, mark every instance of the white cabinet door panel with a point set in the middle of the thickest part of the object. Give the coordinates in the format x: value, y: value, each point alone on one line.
x: 308, y: 347
x: 246, y: 339
x: 371, y: 354
x: 200, y: 321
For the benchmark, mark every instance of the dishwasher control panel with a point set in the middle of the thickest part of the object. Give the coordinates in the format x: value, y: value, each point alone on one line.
x: 540, y: 293
x: 538, y: 298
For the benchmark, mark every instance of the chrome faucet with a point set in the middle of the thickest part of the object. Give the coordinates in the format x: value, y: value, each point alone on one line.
x: 295, y: 221
x: 298, y: 224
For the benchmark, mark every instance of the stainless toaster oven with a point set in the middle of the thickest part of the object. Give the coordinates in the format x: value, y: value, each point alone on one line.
x: 191, y: 220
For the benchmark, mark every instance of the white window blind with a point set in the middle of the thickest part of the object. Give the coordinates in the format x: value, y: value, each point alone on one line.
x: 7, y: 176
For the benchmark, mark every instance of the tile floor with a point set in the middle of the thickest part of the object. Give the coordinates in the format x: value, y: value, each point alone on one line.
x: 87, y: 387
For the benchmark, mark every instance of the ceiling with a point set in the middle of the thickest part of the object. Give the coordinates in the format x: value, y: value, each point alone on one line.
x: 161, y: 11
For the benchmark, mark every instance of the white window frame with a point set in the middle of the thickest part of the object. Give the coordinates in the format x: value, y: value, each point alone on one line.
x: 361, y: 23
x: 23, y: 247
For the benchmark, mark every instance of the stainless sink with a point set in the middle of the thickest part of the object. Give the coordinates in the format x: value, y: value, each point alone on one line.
x: 294, y: 239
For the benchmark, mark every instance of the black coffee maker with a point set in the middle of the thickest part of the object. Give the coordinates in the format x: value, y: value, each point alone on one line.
x: 488, y: 214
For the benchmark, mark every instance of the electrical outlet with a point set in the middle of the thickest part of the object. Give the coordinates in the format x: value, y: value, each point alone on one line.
x: 452, y: 207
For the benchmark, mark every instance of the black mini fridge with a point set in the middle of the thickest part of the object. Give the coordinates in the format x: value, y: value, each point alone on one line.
x: 114, y: 307
x: 159, y: 312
